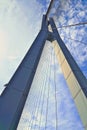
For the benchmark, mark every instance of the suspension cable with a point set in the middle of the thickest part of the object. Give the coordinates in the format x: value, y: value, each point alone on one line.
x: 34, y: 102
x: 74, y: 40
x: 38, y: 105
x: 41, y: 93
x: 48, y: 93
x: 72, y: 25
x: 38, y: 98
x: 27, y: 102
x: 35, y: 106
x: 43, y: 97
x: 55, y: 93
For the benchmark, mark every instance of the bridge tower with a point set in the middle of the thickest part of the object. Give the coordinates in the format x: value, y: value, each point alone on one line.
x: 13, y: 98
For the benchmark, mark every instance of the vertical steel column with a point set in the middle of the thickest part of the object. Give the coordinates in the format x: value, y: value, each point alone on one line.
x: 14, y: 96
x: 75, y: 79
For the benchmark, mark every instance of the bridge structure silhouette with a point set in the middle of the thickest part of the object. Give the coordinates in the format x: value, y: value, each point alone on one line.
x: 14, y: 96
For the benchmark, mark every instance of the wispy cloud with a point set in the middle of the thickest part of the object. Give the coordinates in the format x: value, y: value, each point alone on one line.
x: 72, y: 12
x: 19, y: 25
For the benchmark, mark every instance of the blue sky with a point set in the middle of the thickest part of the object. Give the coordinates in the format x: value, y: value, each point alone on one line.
x: 70, y: 13
x: 20, y: 22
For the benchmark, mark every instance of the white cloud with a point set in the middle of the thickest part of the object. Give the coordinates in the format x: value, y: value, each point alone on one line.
x: 12, y: 58
x: 19, y: 25
x: 70, y: 13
